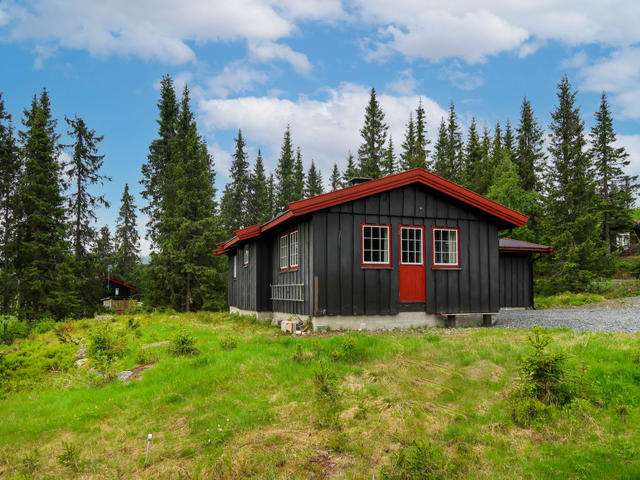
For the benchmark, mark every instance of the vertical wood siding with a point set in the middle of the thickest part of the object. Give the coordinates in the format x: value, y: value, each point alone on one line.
x: 345, y: 288
x: 243, y: 290
x: 516, y: 280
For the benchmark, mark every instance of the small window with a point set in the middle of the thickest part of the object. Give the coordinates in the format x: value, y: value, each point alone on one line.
x: 284, y: 253
x: 246, y: 255
x: 445, y: 247
x: 411, y: 245
x: 235, y: 270
x: 375, y: 245
x: 117, y: 291
x: 293, y: 249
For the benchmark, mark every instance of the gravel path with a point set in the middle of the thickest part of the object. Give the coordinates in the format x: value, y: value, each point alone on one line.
x: 621, y: 315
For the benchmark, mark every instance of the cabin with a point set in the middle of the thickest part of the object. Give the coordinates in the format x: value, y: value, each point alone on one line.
x: 119, y: 295
x: 411, y: 249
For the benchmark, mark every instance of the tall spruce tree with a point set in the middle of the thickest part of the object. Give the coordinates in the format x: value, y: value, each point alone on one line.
x: 271, y: 196
x: 127, y: 238
x: 571, y: 219
x: 473, y: 159
x: 298, y: 177
x: 529, y: 154
x: 449, y: 155
x: 374, y: 138
x: 156, y: 190
x: 422, y: 142
x: 103, y: 252
x: 47, y: 286
x: 258, y: 205
x: 440, y: 163
x: 389, y: 160
x: 408, y: 145
x: 508, y: 140
x: 351, y: 171
x: 613, y: 186
x: 83, y: 171
x: 285, y: 183
x: 314, y: 181
x: 9, y: 174
x: 234, y: 199
x: 195, y: 278
x: 335, y: 178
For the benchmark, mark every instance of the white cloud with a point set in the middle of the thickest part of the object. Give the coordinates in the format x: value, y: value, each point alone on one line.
x: 325, y: 129
x: 632, y: 144
x: 461, y: 78
x: 236, y: 77
x: 404, y: 84
x: 267, y: 51
x: 619, y: 75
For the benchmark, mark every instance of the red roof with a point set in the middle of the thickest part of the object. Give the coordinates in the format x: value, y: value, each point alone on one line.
x: 513, y: 245
x: 130, y: 287
x: 372, y: 187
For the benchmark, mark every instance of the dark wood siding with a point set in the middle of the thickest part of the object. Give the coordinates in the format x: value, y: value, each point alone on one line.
x: 302, y: 275
x: 516, y: 280
x: 243, y: 290
x: 345, y: 288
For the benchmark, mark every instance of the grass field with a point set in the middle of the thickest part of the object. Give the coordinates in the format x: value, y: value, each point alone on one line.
x: 255, y: 403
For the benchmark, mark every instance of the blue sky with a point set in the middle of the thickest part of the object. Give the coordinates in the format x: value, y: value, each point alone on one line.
x: 259, y: 65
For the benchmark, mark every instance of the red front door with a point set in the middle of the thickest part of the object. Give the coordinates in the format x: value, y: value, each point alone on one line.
x: 413, y: 285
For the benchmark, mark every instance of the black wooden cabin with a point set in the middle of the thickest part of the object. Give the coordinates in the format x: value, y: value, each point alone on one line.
x: 118, y: 290
x: 405, y: 250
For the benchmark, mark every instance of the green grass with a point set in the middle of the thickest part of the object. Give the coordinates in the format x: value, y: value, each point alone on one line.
x: 605, y: 289
x: 251, y: 412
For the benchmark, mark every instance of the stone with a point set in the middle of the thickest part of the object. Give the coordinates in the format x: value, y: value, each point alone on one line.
x: 124, y: 375
x: 80, y: 362
x: 105, y: 318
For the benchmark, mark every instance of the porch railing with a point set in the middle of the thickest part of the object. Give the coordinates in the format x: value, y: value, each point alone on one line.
x: 289, y: 292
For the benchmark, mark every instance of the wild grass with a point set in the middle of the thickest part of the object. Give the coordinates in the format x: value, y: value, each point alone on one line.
x: 346, y: 406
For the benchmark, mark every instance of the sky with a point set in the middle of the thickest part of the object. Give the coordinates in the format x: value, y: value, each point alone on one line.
x: 259, y: 65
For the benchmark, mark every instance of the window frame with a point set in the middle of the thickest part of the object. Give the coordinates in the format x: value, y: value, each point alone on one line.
x: 422, y: 253
x: 245, y: 259
x: 235, y: 266
x: 445, y: 266
x: 295, y: 266
x: 280, y: 256
x: 388, y: 263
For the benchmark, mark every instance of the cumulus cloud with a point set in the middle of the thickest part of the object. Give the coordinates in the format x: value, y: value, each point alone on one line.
x: 326, y: 129
x: 404, y: 84
x: 267, y: 51
x: 632, y: 144
x: 236, y: 77
x: 460, y: 77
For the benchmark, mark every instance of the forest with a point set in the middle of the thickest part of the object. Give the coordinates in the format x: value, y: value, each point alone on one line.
x: 571, y: 182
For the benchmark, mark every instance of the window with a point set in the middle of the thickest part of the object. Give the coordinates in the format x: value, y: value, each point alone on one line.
x: 284, y: 253
x: 117, y: 291
x: 411, y: 245
x: 235, y: 271
x: 246, y: 255
x: 293, y: 249
x: 445, y: 247
x: 375, y: 245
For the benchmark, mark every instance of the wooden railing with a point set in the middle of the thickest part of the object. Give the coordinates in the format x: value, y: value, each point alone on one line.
x: 289, y: 292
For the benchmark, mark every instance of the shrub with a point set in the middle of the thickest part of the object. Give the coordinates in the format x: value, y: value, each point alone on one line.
x: 104, y: 343
x: 301, y: 355
x: 44, y: 325
x: 326, y: 396
x: 418, y: 461
x: 346, y: 350
x: 228, y: 343
x: 70, y: 456
x: 183, y: 343
x: 30, y: 463
x: 62, y: 333
x: 12, y: 329
x: 135, y: 309
x: 147, y: 356
x: 133, y: 324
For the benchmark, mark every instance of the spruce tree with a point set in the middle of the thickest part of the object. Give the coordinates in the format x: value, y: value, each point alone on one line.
x: 271, y: 197
x: 47, y: 286
x: 449, y: 155
x: 234, y: 199
x: 389, y: 161
x: 508, y: 140
x: 298, y: 177
x: 156, y: 190
x: 335, y: 178
x: 103, y: 252
x: 83, y: 171
x: 571, y: 221
x: 440, y: 163
x: 127, y: 239
x: 194, y: 279
x: 350, y: 172
x: 408, y: 145
x: 285, y: 183
x: 529, y: 154
x: 422, y: 142
x: 374, y: 138
x: 9, y: 173
x: 314, y: 181
x: 473, y: 161
x: 613, y: 186
x: 258, y: 204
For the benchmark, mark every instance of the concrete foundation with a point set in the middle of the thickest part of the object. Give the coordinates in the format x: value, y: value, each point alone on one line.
x: 260, y: 316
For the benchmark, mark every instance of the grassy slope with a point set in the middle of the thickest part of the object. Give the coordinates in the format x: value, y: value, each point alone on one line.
x: 249, y: 412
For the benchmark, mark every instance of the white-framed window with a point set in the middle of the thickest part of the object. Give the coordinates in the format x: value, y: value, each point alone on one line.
x: 445, y: 247
x: 246, y: 255
x: 284, y: 252
x: 235, y: 267
x: 117, y: 291
x: 293, y: 249
x: 411, y: 245
x: 623, y: 240
x: 376, y: 241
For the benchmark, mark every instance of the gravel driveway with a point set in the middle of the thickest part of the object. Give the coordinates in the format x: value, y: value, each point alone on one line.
x: 621, y: 315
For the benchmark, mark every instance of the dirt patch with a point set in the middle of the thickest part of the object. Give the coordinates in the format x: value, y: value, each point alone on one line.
x: 484, y: 369
x: 157, y: 344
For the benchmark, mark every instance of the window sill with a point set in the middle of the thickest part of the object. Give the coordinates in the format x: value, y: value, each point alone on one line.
x: 443, y: 267
x: 293, y: 269
x: 376, y: 267
x: 284, y: 270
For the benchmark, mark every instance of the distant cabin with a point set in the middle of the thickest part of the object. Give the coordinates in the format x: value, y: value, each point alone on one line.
x: 118, y: 296
x: 410, y: 249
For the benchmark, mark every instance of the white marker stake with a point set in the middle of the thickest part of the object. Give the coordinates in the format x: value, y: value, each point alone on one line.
x: 146, y: 459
